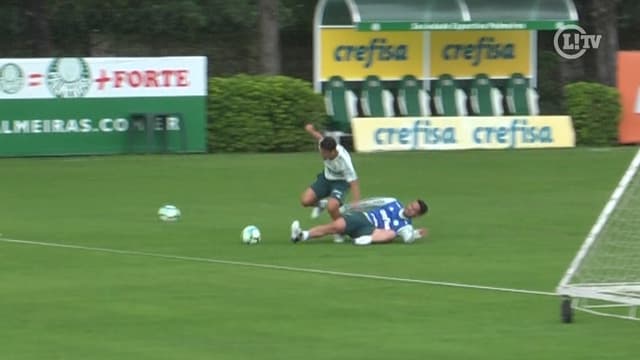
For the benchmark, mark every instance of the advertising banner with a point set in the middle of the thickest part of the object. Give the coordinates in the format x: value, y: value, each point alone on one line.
x: 629, y: 87
x: 467, y: 53
x: 353, y: 55
x: 460, y: 133
x: 65, y: 106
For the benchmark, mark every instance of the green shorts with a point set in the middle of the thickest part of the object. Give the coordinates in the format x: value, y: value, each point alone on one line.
x: 358, y: 225
x: 324, y: 188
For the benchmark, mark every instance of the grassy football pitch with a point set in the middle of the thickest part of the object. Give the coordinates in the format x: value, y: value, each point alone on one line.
x: 508, y: 219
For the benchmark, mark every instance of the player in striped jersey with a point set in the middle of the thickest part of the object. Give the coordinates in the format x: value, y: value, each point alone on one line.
x: 331, y: 186
x: 379, y: 225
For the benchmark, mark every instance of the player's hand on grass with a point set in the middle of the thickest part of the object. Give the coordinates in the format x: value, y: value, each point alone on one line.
x: 423, y: 232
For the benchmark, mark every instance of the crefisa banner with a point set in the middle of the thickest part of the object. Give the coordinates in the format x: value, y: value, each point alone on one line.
x: 390, y: 55
x: 57, y: 106
x: 461, y: 133
x: 464, y: 54
x: 353, y: 55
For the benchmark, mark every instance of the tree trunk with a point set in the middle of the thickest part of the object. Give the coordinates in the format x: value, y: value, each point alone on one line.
x: 269, y: 37
x: 38, y: 27
x: 603, y: 16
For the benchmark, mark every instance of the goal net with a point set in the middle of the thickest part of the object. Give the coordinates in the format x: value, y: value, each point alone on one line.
x: 604, y: 277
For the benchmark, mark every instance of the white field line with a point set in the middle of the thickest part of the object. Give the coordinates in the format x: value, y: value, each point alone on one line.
x: 276, y: 267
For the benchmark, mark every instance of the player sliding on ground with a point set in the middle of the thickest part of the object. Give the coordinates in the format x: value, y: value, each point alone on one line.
x: 331, y: 186
x: 378, y: 225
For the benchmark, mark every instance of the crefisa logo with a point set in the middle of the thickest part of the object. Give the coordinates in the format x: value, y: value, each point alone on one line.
x: 378, y: 49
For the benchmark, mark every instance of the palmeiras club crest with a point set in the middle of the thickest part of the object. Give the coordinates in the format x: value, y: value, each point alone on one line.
x: 69, y: 77
x: 11, y: 78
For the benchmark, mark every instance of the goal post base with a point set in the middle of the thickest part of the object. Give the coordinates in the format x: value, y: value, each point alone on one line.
x: 566, y: 311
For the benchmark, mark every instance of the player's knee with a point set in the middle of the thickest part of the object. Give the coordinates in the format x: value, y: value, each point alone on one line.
x: 333, y: 205
x: 308, y: 198
x: 339, y: 225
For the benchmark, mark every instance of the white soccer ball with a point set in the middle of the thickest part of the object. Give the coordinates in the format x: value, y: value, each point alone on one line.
x: 251, y: 235
x: 169, y: 213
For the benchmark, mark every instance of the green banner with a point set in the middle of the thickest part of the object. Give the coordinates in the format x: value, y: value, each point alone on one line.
x: 101, y: 126
x: 462, y: 25
x: 69, y: 106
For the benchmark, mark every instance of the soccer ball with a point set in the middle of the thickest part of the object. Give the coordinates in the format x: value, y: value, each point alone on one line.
x: 169, y: 213
x: 251, y: 235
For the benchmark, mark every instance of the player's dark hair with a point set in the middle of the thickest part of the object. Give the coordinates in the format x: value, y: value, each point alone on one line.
x: 423, y: 206
x: 328, y: 143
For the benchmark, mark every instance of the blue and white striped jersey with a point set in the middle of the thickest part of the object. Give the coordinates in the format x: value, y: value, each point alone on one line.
x: 389, y: 216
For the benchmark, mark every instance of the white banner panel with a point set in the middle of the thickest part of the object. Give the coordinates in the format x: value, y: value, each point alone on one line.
x: 45, y: 78
x: 459, y: 133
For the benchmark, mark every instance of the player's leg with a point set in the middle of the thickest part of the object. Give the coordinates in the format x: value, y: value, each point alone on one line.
x: 337, y: 196
x: 358, y: 225
x: 335, y: 227
x: 377, y: 236
x: 309, y: 197
x: 339, y: 189
x: 314, y: 195
x: 333, y: 207
x: 319, y: 208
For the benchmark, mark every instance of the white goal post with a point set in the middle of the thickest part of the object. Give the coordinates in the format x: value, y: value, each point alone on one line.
x: 604, y: 276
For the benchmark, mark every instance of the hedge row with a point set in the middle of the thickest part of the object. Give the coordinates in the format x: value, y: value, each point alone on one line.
x: 262, y: 114
x: 268, y: 113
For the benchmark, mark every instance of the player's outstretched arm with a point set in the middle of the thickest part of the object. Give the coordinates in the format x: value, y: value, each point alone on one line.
x: 313, y: 132
x: 377, y: 236
x: 383, y: 235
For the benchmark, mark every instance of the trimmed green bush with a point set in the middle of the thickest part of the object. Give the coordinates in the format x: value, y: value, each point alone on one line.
x: 595, y: 110
x: 262, y: 114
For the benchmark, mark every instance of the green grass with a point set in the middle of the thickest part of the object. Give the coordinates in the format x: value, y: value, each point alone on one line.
x: 498, y: 218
